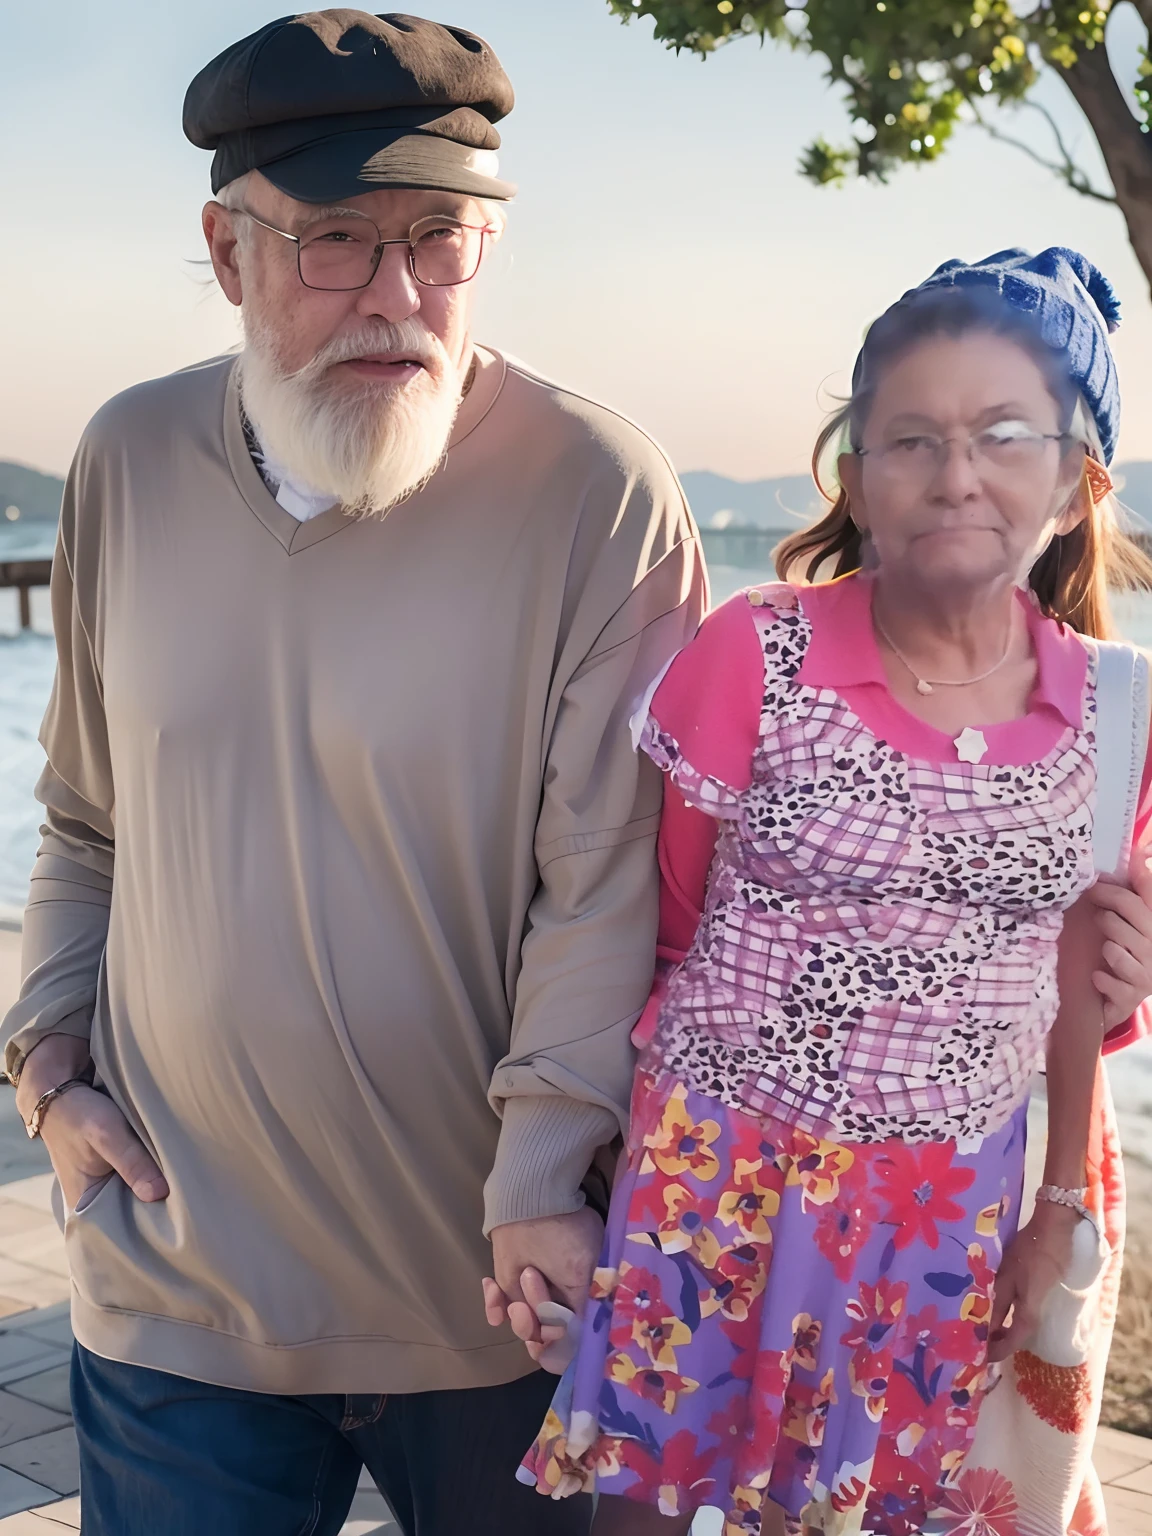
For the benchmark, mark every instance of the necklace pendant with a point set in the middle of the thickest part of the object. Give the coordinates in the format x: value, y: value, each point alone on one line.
x: 970, y: 745
x: 922, y: 686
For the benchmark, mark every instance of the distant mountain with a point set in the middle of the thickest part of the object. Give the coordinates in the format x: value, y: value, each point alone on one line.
x: 716, y: 501
x: 28, y: 496
x: 792, y: 500
x: 1135, y: 482
x: 759, y: 503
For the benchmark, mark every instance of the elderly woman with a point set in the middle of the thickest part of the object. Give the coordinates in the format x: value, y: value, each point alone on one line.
x: 879, y: 897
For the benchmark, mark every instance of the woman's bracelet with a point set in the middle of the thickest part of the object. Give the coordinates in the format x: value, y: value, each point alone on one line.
x: 1053, y: 1194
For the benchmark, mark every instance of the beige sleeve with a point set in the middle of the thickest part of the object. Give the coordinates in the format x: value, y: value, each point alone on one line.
x: 66, y: 920
x: 589, y: 950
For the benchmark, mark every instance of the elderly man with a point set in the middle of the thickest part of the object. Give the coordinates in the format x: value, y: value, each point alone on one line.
x: 346, y: 900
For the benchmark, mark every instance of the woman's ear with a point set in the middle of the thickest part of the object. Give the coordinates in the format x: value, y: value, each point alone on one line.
x: 1078, y: 507
x: 849, y: 470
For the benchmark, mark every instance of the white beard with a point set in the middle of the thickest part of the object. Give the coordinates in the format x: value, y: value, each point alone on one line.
x: 368, y: 446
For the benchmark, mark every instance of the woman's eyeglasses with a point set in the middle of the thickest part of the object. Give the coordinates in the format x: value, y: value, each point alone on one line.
x: 1009, y: 448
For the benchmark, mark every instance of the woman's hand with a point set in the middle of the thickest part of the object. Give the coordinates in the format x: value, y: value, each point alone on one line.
x: 524, y: 1316
x: 1124, y: 917
x: 1037, y: 1260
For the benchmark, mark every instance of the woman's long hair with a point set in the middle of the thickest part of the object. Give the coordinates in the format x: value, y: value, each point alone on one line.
x: 1072, y: 577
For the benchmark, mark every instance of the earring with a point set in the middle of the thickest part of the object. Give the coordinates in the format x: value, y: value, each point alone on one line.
x: 1099, y: 480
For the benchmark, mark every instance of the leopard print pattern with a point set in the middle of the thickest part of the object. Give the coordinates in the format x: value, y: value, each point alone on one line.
x: 877, y: 953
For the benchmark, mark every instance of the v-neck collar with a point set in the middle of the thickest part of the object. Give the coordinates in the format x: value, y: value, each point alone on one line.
x: 288, y: 531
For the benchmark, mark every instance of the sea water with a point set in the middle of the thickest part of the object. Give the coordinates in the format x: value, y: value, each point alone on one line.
x: 26, y: 667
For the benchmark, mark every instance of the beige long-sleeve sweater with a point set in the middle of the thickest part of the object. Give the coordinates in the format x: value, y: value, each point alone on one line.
x: 347, y: 853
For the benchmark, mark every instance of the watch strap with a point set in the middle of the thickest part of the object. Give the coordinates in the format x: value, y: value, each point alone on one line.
x: 35, y: 1121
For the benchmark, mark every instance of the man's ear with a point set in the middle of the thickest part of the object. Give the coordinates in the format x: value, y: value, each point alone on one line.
x: 223, y: 248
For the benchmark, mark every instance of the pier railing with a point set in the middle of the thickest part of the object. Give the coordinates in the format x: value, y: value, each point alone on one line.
x: 24, y: 575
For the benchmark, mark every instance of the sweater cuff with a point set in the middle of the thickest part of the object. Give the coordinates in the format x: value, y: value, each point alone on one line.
x: 546, y: 1147
x: 23, y: 1042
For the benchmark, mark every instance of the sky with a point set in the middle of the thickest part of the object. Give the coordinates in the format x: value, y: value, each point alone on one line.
x: 664, y: 255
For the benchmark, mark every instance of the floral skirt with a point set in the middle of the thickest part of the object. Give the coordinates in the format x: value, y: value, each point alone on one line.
x: 779, y: 1318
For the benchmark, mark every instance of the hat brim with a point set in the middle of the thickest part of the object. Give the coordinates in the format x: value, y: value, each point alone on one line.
x: 344, y: 165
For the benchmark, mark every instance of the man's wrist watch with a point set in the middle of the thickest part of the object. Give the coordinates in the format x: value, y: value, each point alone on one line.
x: 35, y: 1122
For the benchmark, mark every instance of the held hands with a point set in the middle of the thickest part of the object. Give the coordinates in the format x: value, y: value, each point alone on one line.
x: 1124, y: 917
x: 550, y: 1259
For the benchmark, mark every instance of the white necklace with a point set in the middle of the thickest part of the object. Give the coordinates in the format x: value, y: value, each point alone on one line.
x: 930, y: 684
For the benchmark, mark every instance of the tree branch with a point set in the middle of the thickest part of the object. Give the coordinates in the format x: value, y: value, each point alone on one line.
x: 1065, y: 153
x: 1126, y: 149
x: 1066, y: 168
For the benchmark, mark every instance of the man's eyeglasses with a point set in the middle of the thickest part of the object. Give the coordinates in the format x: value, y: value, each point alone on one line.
x: 342, y: 253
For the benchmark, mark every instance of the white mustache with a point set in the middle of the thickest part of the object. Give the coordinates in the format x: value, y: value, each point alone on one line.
x: 374, y: 337
x: 366, y: 446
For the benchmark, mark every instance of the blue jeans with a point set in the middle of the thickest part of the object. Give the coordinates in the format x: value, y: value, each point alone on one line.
x: 164, y: 1456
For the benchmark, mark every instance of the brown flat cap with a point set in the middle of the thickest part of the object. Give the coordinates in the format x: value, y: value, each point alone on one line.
x: 334, y: 103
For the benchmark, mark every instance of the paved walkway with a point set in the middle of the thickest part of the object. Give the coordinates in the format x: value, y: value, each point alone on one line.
x: 38, y: 1470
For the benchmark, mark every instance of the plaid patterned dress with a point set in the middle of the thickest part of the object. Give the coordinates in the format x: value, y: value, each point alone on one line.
x: 826, y: 1154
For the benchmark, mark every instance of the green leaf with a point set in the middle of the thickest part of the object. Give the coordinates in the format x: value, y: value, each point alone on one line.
x: 826, y: 165
x: 907, y: 68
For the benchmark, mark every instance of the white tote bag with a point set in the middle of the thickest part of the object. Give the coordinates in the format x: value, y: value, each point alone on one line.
x: 1037, y: 1424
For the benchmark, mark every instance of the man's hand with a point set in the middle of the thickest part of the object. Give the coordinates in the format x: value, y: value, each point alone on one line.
x: 86, y: 1134
x: 88, y: 1138
x: 1124, y: 916
x: 551, y: 1257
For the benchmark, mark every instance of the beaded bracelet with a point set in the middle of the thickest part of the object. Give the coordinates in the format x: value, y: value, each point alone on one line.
x: 1052, y: 1194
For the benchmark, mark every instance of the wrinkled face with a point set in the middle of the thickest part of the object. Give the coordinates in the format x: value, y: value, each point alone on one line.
x: 300, y: 320
x: 965, y: 476
x: 353, y: 390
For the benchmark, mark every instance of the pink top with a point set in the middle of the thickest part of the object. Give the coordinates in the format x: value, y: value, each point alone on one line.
x: 711, y: 701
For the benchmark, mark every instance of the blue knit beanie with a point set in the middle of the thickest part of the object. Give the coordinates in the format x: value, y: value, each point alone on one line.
x: 1074, y: 308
